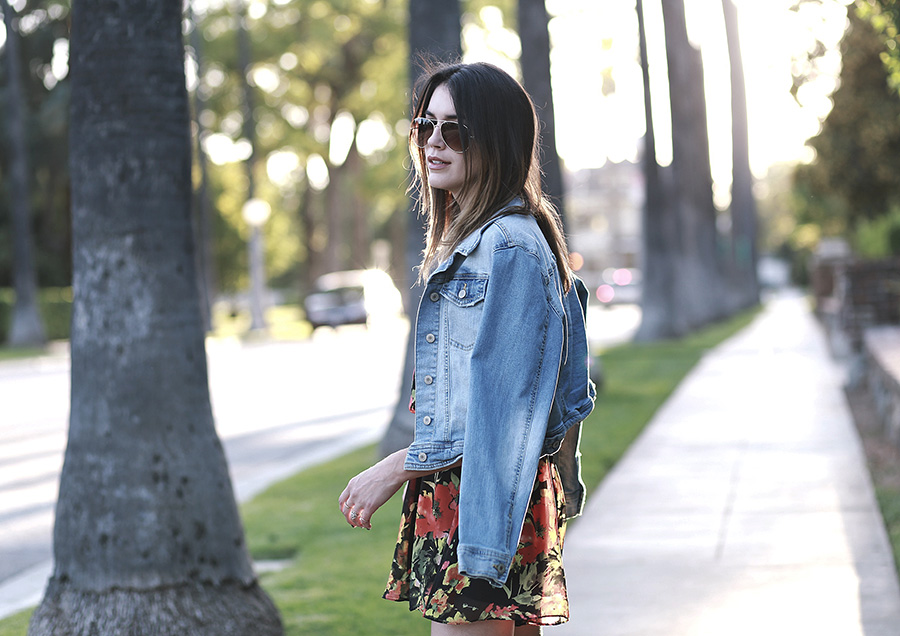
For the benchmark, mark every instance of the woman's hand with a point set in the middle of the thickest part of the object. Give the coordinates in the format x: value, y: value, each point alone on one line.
x: 370, y: 489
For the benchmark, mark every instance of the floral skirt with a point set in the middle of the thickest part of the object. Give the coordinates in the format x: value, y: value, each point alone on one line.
x: 425, y: 571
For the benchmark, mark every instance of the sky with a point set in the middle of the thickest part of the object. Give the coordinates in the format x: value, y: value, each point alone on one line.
x: 590, y: 37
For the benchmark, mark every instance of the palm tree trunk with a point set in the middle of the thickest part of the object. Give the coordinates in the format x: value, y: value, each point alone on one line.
x: 743, y: 204
x: 256, y: 245
x: 697, y: 289
x: 361, y: 240
x: 434, y: 30
x: 660, y: 229
x: 535, y: 60
x: 26, y: 328
x: 335, y: 197
x: 203, y: 211
x: 306, y: 215
x: 147, y: 536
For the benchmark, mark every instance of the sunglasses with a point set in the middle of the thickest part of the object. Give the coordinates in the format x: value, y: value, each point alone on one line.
x: 454, y: 134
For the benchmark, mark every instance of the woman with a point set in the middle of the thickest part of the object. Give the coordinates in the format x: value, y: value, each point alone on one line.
x: 501, y: 373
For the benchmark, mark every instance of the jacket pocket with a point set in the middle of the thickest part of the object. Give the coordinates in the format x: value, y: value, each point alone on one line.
x: 464, y: 302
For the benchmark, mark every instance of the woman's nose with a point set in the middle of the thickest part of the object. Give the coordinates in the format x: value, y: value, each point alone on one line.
x: 436, y: 139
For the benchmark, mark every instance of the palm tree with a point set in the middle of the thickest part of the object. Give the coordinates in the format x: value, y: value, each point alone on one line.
x: 434, y: 31
x: 26, y: 328
x: 535, y: 60
x: 147, y: 536
x: 203, y: 211
x: 698, y: 288
x: 743, y: 204
x: 660, y: 229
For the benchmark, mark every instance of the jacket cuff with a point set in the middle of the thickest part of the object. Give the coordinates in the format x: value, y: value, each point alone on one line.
x: 482, y: 563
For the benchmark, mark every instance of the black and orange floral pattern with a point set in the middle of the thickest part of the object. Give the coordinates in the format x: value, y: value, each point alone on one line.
x: 426, y: 574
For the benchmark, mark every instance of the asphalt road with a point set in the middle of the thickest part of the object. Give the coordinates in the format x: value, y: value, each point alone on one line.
x: 279, y: 406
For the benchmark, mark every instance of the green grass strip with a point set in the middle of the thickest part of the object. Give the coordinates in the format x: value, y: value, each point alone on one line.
x: 889, y: 502
x: 15, y: 625
x: 335, y: 575
x: 20, y: 353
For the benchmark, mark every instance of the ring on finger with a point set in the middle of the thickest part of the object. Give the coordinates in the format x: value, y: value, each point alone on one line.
x: 354, y: 515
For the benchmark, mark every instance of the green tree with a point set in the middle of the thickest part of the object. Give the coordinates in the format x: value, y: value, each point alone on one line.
x: 885, y: 17
x: 147, y: 536
x: 316, y: 67
x: 854, y: 176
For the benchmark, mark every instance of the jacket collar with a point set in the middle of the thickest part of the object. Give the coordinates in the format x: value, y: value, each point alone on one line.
x: 468, y: 244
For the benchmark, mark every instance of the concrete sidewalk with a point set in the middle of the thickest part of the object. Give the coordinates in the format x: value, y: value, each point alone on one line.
x: 745, y: 508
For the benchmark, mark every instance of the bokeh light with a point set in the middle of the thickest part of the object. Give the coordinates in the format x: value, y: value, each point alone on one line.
x: 622, y: 276
x: 576, y: 261
x: 605, y: 293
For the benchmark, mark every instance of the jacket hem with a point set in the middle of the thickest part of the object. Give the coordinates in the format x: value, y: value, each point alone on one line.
x: 484, y: 563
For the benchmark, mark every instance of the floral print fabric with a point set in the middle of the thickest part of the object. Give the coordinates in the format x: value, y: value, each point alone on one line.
x: 426, y: 574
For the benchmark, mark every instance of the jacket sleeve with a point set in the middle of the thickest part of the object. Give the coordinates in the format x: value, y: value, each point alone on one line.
x: 513, y: 378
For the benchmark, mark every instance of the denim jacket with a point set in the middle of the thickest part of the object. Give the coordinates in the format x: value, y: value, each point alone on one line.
x: 501, y: 377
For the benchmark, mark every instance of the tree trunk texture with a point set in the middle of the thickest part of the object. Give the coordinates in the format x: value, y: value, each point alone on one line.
x: 204, y: 241
x: 535, y: 61
x: 256, y: 251
x: 147, y: 536
x: 660, y: 227
x: 743, y: 204
x: 435, y: 32
x: 360, y: 230
x: 229, y: 609
x: 697, y: 287
x: 336, y: 217
x: 26, y: 328
x: 307, y: 273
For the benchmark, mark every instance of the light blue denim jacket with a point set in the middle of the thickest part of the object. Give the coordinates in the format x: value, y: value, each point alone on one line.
x: 501, y: 377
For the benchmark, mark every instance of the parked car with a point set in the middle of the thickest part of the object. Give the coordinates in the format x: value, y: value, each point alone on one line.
x: 354, y: 297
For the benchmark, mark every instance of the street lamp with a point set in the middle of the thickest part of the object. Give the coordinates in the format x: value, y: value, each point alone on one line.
x: 256, y: 212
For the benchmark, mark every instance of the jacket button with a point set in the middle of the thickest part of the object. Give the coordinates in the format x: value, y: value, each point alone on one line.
x: 462, y: 293
x: 423, y: 456
x: 426, y: 420
x: 434, y: 296
x: 429, y: 338
x: 428, y: 379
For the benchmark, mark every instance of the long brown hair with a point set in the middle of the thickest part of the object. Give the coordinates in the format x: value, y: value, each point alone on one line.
x: 502, y: 162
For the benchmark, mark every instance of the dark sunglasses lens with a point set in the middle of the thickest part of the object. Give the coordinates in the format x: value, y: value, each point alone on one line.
x: 450, y: 133
x: 423, y: 129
